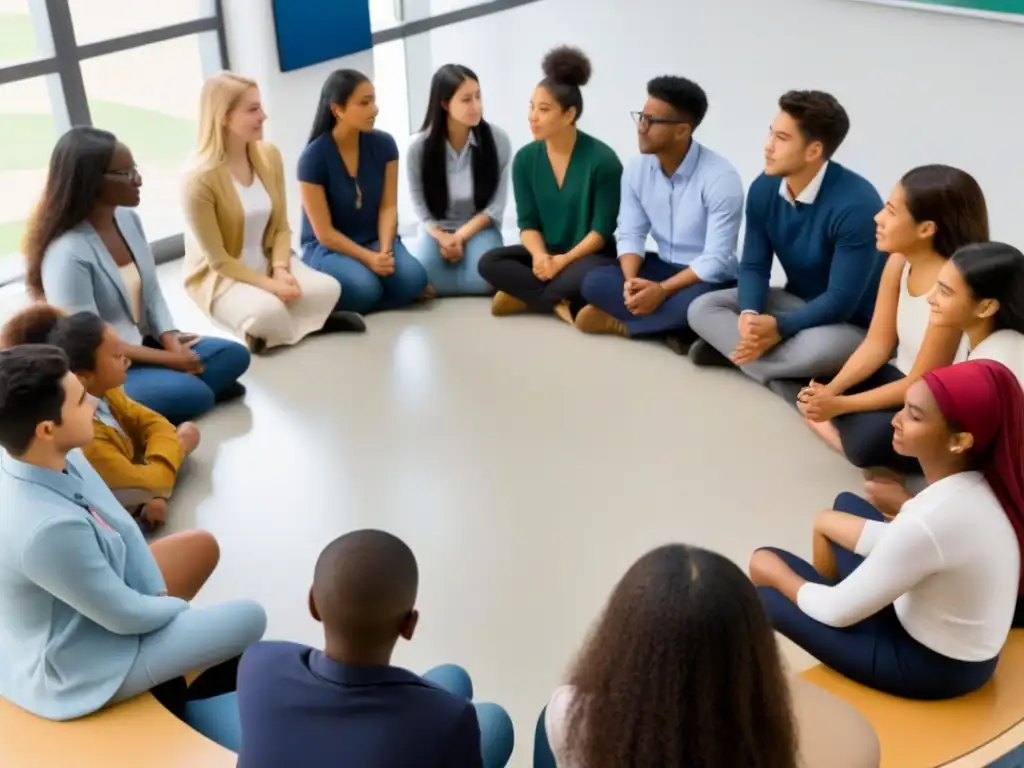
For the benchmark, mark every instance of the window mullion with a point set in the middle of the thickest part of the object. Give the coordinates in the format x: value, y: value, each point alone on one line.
x: 65, y: 51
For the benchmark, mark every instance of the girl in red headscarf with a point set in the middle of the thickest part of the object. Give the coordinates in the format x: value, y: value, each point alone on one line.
x: 921, y: 606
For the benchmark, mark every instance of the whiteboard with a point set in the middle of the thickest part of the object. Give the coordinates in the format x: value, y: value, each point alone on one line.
x: 998, y: 10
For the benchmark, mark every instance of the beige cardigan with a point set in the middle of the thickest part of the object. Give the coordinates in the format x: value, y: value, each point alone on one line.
x: 216, y: 226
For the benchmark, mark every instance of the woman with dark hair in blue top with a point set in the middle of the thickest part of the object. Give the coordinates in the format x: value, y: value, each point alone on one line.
x: 348, y: 177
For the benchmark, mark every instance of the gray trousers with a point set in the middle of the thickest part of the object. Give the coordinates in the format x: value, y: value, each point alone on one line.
x: 811, y: 353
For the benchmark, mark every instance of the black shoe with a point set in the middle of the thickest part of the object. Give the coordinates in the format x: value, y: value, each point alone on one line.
x: 232, y: 392
x: 342, y: 322
x: 680, y: 341
x: 704, y: 355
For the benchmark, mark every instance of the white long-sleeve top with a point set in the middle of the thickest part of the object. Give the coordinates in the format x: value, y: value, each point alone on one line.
x: 949, y: 563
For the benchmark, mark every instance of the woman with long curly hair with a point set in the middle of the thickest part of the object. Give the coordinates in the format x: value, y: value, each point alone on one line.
x: 682, y: 670
x: 86, y: 251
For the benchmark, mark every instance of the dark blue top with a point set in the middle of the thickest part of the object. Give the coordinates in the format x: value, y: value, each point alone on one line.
x: 827, y: 249
x: 298, y: 707
x: 321, y: 163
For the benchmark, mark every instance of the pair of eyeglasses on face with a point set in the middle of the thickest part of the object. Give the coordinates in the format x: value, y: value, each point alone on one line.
x: 128, y: 174
x: 643, y: 120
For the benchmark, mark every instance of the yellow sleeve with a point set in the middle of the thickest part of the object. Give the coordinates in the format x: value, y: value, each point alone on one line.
x: 154, y: 434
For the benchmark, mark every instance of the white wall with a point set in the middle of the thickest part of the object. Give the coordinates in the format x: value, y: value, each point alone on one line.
x: 920, y: 87
x: 290, y: 98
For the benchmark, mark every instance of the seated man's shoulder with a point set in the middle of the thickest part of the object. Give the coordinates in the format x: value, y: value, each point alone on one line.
x: 853, y: 189
x: 270, y: 655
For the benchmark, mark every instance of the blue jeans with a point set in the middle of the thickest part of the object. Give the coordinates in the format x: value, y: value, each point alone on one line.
x: 364, y: 291
x: 217, y: 718
x: 876, y: 652
x: 180, y: 396
x: 603, y: 287
x: 463, y: 278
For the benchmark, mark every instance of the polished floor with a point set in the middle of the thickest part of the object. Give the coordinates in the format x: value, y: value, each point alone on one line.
x: 526, y: 464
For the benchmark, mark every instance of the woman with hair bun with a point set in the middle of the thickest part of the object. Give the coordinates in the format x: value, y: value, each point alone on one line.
x: 567, y: 187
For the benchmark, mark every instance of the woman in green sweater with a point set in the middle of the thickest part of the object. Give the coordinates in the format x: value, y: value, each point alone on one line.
x: 567, y: 187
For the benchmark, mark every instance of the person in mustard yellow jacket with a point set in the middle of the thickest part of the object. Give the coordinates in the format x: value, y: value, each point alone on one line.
x: 239, y: 267
x: 136, y: 451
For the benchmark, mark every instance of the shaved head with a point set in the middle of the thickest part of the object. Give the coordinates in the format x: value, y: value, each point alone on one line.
x: 364, y: 588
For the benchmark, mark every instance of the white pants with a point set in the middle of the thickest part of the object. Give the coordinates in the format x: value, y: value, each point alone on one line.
x: 248, y: 310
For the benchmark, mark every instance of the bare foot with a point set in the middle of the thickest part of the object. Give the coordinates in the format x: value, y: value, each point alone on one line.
x: 154, y: 513
x: 188, y: 436
x: 827, y: 432
x: 887, y: 496
x: 883, y: 473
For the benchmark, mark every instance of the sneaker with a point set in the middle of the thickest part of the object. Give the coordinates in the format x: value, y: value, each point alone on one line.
x: 593, y: 320
x: 255, y: 345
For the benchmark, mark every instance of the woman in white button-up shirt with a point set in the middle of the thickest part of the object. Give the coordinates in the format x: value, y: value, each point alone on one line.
x: 458, y: 178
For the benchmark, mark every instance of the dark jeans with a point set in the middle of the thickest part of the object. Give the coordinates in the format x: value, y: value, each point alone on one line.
x: 215, y: 681
x: 180, y: 396
x: 876, y: 652
x: 603, y: 288
x: 867, y: 436
x: 510, y: 269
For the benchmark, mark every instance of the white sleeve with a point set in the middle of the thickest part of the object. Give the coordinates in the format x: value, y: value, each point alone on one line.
x: 902, y: 558
x: 870, y: 535
x: 556, y: 718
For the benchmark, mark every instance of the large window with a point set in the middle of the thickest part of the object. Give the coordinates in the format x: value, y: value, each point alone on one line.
x: 133, y: 67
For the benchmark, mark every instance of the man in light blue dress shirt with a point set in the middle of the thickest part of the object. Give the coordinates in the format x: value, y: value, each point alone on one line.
x: 690, y: 201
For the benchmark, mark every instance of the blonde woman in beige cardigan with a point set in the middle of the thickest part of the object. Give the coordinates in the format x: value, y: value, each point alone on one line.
x: 239, y: 266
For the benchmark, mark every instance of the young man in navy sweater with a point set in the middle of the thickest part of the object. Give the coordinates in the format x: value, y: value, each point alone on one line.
x: 347, y: 705
x: 817, y: 217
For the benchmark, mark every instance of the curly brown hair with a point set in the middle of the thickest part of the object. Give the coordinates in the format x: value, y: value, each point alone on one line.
x: 682, y: 670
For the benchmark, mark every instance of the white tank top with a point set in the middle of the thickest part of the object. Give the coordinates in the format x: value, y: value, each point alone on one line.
x: 257, y: 206
x: 912, y: 318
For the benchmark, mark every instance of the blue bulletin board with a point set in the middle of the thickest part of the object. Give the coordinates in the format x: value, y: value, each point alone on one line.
x: 314, y: 31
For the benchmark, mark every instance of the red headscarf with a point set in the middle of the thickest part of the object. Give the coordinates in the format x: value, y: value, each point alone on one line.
x: 984, y: 398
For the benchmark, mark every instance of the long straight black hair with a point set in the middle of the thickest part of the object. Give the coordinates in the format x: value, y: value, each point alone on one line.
x: 434, y: 171
x: 338, y: 89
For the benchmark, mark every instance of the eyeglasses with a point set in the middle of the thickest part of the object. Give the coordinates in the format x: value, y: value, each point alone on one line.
x: 128, y: 174
x: 645, y: 121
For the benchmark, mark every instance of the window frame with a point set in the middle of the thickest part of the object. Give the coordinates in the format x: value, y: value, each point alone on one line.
x: 70, y: 100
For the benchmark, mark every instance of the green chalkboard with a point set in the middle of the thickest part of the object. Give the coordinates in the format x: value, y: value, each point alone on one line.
x: 983, y: 7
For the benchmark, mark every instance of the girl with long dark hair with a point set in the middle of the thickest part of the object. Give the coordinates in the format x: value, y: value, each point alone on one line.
x: 86, y: 251
x: 919, y: 607
x: 980, y: 293
x: 567, y: 188
x: 457, y: 175
x: 348, y: 179
x: 932, y: 211
x: 682, y: 669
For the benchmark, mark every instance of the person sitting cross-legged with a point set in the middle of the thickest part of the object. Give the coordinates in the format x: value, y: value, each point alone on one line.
x: 817, y: 217
x: 347, y: 704
x: 136, y: 451
x: 93, y: 616
x: 691, y: 201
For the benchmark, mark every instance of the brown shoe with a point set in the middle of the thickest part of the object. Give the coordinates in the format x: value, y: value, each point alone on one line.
x: 563, y: 311
x: 503, y: 305
x: 593, y: 320
x: 428, y: 293
x: 256, y: 345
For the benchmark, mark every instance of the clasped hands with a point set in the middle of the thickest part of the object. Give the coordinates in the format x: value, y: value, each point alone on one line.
x: 642, y: 296
x: 818, y: 403
x: 284, y: 285
x: 546, y: 267
x: 451, y: 244
x: 758, y: 334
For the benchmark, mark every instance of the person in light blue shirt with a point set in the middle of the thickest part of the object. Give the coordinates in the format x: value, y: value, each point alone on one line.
x: 90, y: 616
x: 690, y: 200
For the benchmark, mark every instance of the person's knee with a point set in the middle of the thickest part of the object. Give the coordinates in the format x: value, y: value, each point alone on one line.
x: 230, y: 361
x: 410, y: 277
x: 865, y: 450
x: 249, y: 622
x: 700, y: 308
x: 452, y: 678
x: 189, y: 399
x: 497, y: 734
x: 361, y: 292
x: 488, y: 266
x: 597, y: 284
x: 205, y: 550
x: 270, y: 321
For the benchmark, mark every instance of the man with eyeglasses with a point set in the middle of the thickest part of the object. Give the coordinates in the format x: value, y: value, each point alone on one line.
x: 817, y: 218
x: 690, y: 201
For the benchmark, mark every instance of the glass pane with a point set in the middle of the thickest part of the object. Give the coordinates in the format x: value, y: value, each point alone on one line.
x: 389, y: 80
x: 149, y: 97
x: 23, y: 37
x: 103, y: 19
x: 27, y: 135
x: 383, y: 14
x: 445, y: 6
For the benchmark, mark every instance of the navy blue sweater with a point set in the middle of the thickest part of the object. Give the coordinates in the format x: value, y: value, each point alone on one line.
x: 827, y: 249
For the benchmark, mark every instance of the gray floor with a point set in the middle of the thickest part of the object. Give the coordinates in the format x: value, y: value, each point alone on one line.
x: 526, y: 464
